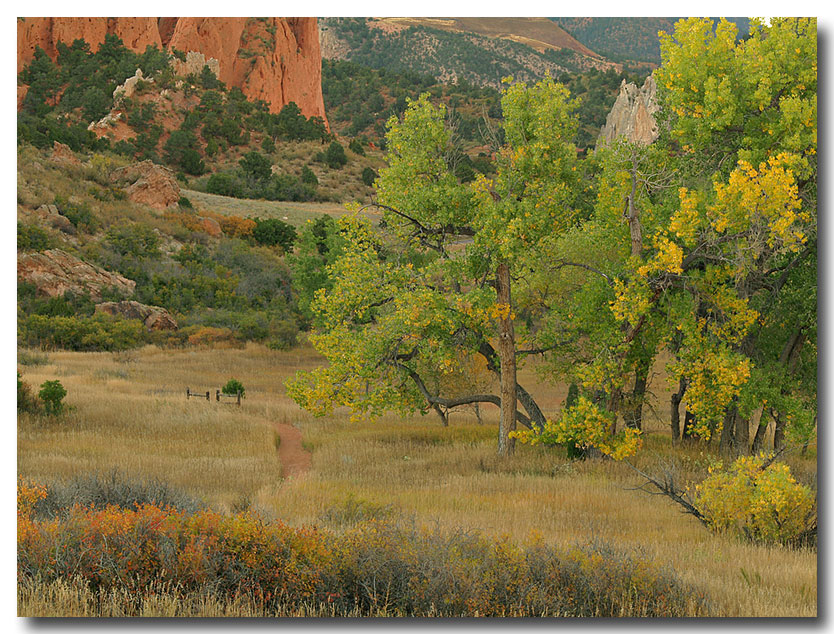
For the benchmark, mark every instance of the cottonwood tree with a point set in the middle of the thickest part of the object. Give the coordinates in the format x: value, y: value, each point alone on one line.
x: 446, y: 282
x: 714, y: 253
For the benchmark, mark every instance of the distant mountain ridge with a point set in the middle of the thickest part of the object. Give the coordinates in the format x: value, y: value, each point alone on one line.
x: 539, y: 33
x: 479, y: 51
x: 627, y: 39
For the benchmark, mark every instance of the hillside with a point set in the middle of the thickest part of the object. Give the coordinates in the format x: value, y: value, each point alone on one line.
x: 479, y: 52
x: 360, y: 100
x: 627, y: 39
x: 538, y: 33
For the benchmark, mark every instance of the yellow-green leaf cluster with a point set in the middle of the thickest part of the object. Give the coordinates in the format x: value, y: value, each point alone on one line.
x: 585, y: 425
x: 763, y: 504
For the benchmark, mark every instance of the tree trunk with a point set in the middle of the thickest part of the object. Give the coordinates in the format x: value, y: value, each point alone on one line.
x: 613, y: 406
x: 533, y: 410
x: 676, y: 411
x: 688, y: 425
x: 728, y: 430
x: 742, y: 435
x: 758, y: 439
x: 506, y: 355
x: 779, y: 432
x: 633, y: 215
x: 634, y: 412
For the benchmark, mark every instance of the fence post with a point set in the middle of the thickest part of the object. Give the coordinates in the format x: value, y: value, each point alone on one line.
x: 208, y: 395
x: 218, y: 396
x: 238, y: 398
x: 188, y: 392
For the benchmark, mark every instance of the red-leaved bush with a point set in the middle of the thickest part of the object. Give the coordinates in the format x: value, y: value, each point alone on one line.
x: 374, y: 567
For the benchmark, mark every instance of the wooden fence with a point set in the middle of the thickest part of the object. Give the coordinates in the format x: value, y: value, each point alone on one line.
x: 219, y: 396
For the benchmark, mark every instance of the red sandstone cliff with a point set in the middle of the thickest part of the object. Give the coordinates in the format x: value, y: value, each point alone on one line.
x: 274, y: 59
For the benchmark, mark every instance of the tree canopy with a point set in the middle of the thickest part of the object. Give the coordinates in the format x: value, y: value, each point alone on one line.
x: 697, y: 251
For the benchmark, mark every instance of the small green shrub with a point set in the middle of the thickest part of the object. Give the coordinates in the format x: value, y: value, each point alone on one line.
x: 356, y: 147
x: 233, y: 386
x: 335, y: 156
x: 368, y: 176
x: 79, y: 214
x: 224, y: 185
x: 33, y: 238
x: 308, y: 176
x: 52, y: 394
x: 136, y: 240
x: 274, y: 232
x: 284, y: 334
x: 100, y: 332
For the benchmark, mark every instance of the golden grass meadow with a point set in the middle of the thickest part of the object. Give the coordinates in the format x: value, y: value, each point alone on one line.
x: 128, y: 412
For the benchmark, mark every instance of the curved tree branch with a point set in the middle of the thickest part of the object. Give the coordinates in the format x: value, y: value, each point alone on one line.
x: 438, y: 402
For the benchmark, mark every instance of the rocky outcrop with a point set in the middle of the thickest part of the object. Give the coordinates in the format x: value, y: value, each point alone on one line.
x: 154, y: 317
x: 632, y: 115
x: 106, y: 122
x: 148, y: 184
x: 274, y: 59
x: 194, y: 63
x: 54, y: 272
x: 62, y: 154
x: 127, y: 89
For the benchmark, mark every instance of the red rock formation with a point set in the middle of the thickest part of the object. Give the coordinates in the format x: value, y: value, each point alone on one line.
x: 150, y: 184
x: 154, y: 317
x: 54, y: 272
x: 63, y: 154
x: 274, y: 59
x: 136, y: 33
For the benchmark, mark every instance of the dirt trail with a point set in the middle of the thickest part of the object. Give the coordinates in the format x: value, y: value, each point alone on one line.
x: 295, y: 460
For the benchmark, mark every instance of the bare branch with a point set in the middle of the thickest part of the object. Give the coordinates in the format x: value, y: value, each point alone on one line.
x: 560, y: 264
x: 667, y: 487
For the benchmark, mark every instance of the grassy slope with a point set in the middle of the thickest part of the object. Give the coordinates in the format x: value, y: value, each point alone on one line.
x: 538, y: 33
x: 450, y: 476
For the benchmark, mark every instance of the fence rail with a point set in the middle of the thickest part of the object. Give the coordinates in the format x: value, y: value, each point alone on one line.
x: 220, y: 397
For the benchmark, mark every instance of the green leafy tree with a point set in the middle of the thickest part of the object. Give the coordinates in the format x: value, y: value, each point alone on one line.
x: 52, y: 394
x: 192, y: 163
x: 95, y: 103
x: 256, y: 168
x: 208, y: 79
x: 396, y: 326
x: 319, y: 245
x: 704, y: 243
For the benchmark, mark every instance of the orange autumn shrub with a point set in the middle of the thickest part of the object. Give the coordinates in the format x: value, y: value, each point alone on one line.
x: 235, y: 226
x: 208, y: 335
x: 376, y: 567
